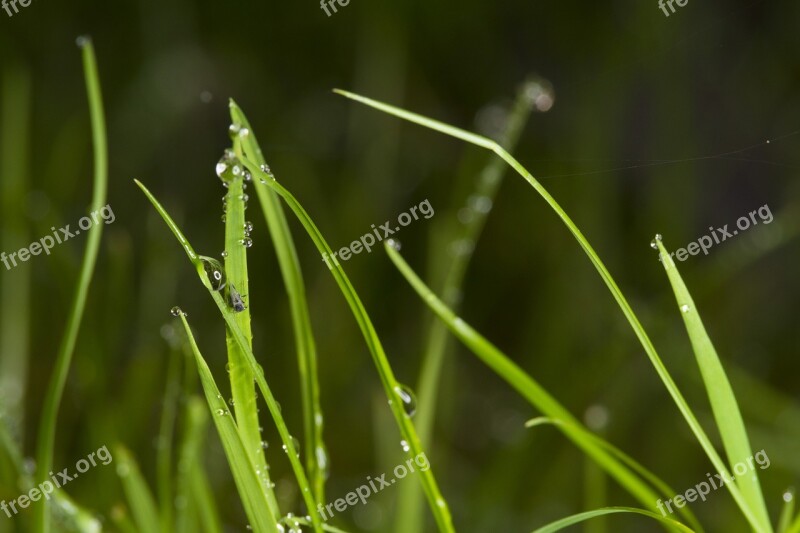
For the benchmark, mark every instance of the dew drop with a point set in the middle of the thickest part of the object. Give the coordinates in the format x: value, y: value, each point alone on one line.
x: 176, y: 311
x: 224, y: 218
x: 220, y: 412
x: 685, y: 308
x: 787, y: 496
x: 655, y: 241
x: 224, y: 253
x: 405, y: 446
x: 248, y: 227
x: 247, y: 242
x: 215, y: 272
x: 394, y: 244
x: 408, y: 399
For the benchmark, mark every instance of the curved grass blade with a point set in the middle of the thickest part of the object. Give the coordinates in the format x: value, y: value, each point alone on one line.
x: 55, y: 389
x: 655, y: 481
x: 241, y: 375
x: 228, y: 316
x: 720, y: 393
x: 558, y: 525
x: 622, y: 302
x: 315, y: 455
x: 140, y: 500
x: 391, y: 386
x: 252, y: 488
x: 604, y: 454
x: 437, y: 341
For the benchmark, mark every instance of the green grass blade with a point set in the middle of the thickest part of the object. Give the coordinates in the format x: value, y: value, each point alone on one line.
x: 795, y: 526
x: 55, y: 390
x: 164, y: 443
x: 251, y: 486
x: 558, y: 525
x: 784, y: 522
x: 15, y: 286
x: 205, y: 503
x: 228, y: 316
x: 438, y: 505
x: 140, y: 499
x: 190, y: 470
x: 316, y: 457
x: 241, y: 375
x: 720, y: 393
x: 633, y: 320
x: 437, y: 341
x: 532, y: 391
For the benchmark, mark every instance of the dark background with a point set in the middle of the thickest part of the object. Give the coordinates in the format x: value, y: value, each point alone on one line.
x: 648, y: 133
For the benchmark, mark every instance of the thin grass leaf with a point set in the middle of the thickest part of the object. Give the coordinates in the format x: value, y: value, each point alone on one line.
x: 604, y: 454
x: 227, y: 315
x: 622, y: 302
x: 391, y: 386
x: 140, y: 499
x: 205, y: 503
x: 720, y: 393
x: 55, y: 389
x: 316, y: 456
x: 166, y: 432
x: 558, y: 525
x: 784, y: 522
x: 437, y: 341
x: 241, y: 375
x: 251, y: 487
x: 190, y: 474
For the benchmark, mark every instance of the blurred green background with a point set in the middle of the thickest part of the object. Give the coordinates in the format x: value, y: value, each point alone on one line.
x: 650, y: 115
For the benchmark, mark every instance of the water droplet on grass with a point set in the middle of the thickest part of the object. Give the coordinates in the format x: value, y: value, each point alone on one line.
x: 685, y: 308
x: 655, y: 241
x: 394, y: 244
x: 176, y: 311
x: 408, y: 399
x: 405, y: 446
x: 215, y: 272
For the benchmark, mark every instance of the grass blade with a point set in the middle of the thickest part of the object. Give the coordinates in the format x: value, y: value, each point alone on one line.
x: 315, y: 455
x: 558, y: 525
x: 166, y: 432
x: 140, y: 499
x: 251, y: 487
x: 786, y: 512
x: 228, y: 316
x: 622, y: 302
x: 720, y: 393
x: 241, y: 375
x: 437, y: 341
x: 605, y: 455
x: 391, y: 386
x: 55, y: 390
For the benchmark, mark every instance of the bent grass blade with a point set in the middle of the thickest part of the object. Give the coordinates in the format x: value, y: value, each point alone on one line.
x: 720, y: 393
x: 558, y: 525
x: 55, y: 390
x: 622, y: 302
x: 266, y: 392
x: 603, y: 453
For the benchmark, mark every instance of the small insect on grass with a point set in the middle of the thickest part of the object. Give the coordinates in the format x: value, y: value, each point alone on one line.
x: 235, y: 299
